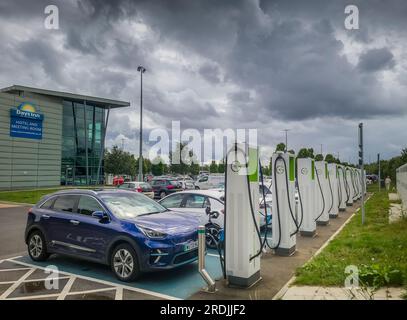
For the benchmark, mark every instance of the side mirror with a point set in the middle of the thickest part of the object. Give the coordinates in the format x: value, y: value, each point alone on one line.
x: 208, y: 210
x: 100, y: 215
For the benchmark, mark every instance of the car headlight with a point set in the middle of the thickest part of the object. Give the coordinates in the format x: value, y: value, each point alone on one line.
x: 153, y: 234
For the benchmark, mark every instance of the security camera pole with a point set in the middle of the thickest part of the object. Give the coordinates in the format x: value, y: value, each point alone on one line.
x: 141, y: 69
x: 361, y: 165
x: 286, y: 139
x: 378, y: 163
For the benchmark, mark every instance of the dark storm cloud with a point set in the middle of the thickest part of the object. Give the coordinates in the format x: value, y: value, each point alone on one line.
x: 210, y: 72
x: 41, y: 53
x: 236, y: 63
x: 376, y: 59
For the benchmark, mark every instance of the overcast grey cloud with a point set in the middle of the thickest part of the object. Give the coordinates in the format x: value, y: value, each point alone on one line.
x: 376, y: 59
x: 268, y: 65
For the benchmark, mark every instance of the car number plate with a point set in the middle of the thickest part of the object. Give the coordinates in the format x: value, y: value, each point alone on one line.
x: 191, y: 245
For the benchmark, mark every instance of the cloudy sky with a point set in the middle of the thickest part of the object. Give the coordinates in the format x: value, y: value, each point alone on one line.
x: 269, y: 65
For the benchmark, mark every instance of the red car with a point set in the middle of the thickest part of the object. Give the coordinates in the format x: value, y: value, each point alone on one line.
x: 118, y: 181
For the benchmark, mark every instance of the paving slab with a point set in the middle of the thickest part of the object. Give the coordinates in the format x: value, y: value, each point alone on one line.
x: 337, y: 293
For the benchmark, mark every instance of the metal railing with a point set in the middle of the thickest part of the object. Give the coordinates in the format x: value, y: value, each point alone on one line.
x: 401, y: 184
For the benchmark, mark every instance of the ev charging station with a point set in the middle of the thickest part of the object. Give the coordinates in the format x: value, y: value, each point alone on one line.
x: 307, y: 194
x: 241, y: 229
x: 283, y: 205
x: 348, y: 175
x: 358, y: 184
x: 324, y: 196
x: 341, y: 188
x: 354, y: 185
x: 333, y: 188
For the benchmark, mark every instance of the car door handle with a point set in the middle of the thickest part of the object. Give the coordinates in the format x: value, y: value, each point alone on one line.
x: 75, y: 222
x: 45, y: 216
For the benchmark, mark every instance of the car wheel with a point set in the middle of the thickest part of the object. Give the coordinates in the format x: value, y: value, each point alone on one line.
x: 196, y: 188
x: 37, y: 248
x: 162, y: 194
x: 124, y: 263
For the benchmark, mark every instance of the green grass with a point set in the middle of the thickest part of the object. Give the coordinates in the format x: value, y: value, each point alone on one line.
x: 376, y: 248
x: 29, y: 196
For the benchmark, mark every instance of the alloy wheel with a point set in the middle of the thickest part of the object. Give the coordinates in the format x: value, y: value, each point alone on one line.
x: 35, y: 246
x: 123, y: 263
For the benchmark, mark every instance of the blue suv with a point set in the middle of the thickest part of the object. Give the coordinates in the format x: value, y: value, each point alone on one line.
x: 125, y: 230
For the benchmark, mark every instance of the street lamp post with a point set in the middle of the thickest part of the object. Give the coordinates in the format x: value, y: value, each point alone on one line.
x: 141, y: 69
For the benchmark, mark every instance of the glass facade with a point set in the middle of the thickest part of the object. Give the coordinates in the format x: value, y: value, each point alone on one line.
x: 82, y: 144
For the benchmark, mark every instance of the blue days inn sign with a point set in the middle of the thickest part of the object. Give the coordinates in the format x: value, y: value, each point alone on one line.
x: 26, y: 122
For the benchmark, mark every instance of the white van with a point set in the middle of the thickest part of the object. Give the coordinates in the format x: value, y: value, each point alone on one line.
x: 210, y: 181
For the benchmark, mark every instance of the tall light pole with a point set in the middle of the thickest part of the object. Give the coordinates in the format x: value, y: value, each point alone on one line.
x: 141, y: 69
x: 286, y: 139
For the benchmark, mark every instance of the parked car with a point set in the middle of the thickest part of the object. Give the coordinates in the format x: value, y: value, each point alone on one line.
x: 164, y: 186
x: 195, y: 202
x: 209, y: 181
x: 187, y: 184
x: 118, y: 180
x: 125, y: 230
x: 143, y: 187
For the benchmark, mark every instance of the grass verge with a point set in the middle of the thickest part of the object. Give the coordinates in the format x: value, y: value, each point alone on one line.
x: 378, y: 249
x: 32, y: 195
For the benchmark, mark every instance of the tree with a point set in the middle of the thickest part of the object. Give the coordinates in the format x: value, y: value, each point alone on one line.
x: 404, y: 155
x: 280, y: 147
x: 177, y: 161
x: 194, y: 166
x: 221, y: 166
x: 319, y: 157
x: 118, y: 162
x: 213, y: 168
x: 306, y: 153
x: 157, y: 167
x: 330, y: 158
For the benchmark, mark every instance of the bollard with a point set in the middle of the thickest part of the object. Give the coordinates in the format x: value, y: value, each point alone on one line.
x: 201, y: 261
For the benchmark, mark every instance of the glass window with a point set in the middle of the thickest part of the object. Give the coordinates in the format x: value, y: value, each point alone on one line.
x: 173, y: 201
x: 131, y: 205
x: 203, y: 179
x: 48, y: 204
x: 123, y: 185
x: 65, y: 203
x: 216, y: 205
x: 195, y: 201
x: 87, y: 205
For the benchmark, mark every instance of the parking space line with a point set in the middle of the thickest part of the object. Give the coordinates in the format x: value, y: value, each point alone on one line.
x: 66, y: 288
x: 15, y: 269
x: 119, y: 294
x: 144, y: 291
x: 213, y: 255
x: 16, y: 284
x: 35, y: 297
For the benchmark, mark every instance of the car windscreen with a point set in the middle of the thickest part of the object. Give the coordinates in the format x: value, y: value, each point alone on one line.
x: 130, y: 205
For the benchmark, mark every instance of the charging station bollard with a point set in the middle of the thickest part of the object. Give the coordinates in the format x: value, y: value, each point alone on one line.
x: 201, y: 261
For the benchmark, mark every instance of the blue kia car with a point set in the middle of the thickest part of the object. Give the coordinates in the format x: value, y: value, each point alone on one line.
x: 125, y: 230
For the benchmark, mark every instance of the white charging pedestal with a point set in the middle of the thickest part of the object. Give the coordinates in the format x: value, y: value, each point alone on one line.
x: 282, y: 216
x: 306, y: 186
